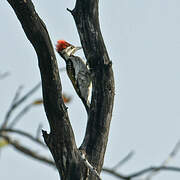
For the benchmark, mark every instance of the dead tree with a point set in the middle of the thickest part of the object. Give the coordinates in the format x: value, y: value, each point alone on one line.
x: 72, y: 162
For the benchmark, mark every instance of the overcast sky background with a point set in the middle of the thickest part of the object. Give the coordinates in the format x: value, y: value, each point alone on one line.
x: 143, y: 41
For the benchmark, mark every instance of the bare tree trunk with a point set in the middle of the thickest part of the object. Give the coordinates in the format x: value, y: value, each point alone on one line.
x: 73, y: 163
x: 86, y: 17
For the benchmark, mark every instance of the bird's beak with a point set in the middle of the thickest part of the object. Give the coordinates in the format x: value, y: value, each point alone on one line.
x: 75, y: 49
x: 78, y: 48
x: 71, y: 50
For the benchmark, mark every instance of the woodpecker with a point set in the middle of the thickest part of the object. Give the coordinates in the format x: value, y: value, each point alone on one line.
x: 77, y: 71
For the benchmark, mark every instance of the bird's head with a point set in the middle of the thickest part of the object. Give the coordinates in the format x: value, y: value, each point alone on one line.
x: 64, y: 47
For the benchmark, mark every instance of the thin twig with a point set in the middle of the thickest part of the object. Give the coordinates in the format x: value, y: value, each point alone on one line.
x: 114, y: 173
x: 17, y: 95
x: 141, y: 172
x: 19, y: 115
x: 172, y: 154
x: 16, y: 103
x: 7, y: 116
x: 28, y: 94
x: 23, y: 134
x: 124, y: 160
x: 28, y: 152
x: 153, y: 168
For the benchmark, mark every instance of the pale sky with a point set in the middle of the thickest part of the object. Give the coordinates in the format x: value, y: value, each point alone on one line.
x: 143, y: 41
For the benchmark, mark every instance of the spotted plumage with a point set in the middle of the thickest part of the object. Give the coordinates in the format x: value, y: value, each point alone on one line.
x: 77, y: 71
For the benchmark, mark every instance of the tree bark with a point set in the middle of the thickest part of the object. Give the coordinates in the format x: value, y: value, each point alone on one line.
x: 86, y: 16
x: 71, y: 162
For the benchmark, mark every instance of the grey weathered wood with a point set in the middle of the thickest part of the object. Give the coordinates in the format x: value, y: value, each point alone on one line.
x: 86, y: 17
x: 61, y: 140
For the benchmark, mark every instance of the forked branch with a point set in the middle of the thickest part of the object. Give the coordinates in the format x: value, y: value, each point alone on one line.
x: 86, y: 16
x: 61, y: 140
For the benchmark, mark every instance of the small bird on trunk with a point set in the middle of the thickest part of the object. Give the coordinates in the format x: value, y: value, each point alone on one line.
x: 77, y: 71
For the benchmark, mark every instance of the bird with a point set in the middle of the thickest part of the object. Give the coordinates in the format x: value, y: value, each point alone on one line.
x: 77, y: 71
